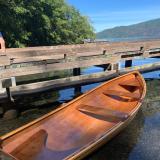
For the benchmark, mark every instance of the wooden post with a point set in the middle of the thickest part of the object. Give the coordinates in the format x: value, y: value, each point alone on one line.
x: 128, y: 63
x: 10, y: 111
x: 7, y: 83
x: 78, y: 90
x: 9, y: 95
x: 115, y: 66
x: 76, y: 71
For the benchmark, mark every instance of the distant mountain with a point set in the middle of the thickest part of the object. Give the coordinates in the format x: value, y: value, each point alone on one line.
x: 143, y: 30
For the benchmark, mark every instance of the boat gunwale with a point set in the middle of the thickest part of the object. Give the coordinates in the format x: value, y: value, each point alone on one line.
x: 98, y: 141
x: 18, y: 130
x: 90, y: 145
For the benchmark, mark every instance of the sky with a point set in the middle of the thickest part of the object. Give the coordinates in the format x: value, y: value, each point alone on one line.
x: 104, y: 14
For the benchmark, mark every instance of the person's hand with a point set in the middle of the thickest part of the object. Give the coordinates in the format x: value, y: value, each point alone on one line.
x: 2, y: 45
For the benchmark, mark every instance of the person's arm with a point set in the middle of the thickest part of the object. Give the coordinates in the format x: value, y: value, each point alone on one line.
x: 2, y: 43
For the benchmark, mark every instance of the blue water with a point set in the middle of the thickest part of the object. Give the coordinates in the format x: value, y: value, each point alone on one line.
x: 136, y: 62
x: 128, y: 39
x: 152, y: 75
x: 68, y: 94
x: 148, y: 145
x: 139, y: 141
x: 139, y: 62
x: 90, y: 70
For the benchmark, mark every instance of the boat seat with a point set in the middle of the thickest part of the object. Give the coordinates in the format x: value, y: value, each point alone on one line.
x: 37, y: 142
x: 126, y: 95
x: 130, y: 88
x: 102, y: 113
x: 131, y: 83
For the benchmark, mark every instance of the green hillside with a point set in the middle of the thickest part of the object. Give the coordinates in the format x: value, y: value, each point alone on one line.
x: 145, y: 29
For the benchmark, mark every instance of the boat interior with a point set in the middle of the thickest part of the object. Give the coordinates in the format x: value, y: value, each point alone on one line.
x: 79, y: 124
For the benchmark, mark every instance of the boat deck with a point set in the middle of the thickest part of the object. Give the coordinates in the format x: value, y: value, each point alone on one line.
x: 78, y: 124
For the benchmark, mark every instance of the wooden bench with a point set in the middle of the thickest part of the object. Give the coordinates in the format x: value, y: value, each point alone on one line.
x: 103, y: 113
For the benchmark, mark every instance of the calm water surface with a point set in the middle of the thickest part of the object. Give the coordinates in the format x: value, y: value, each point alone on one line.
x: 139, y: 141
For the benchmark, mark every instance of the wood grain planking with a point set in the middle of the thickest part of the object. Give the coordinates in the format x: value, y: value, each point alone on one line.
x: 38, y: 58
x: 13, y: 72
x: 110, y: 47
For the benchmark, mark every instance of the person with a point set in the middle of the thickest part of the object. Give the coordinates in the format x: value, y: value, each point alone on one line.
x: 2, y: 44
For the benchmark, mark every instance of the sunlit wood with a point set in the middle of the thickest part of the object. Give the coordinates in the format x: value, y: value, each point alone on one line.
x: 80, y: 126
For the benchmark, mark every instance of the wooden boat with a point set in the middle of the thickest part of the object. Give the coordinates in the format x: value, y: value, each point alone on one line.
x: 79, y: 127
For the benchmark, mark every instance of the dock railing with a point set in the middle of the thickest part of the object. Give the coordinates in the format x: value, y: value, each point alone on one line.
x: 24, y: 62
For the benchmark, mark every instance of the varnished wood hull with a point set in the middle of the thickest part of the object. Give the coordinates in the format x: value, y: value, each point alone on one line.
x: 81, y: 126
x: 104, y: 140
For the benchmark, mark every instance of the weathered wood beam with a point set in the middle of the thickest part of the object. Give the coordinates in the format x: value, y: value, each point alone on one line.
x: 13, y: 72
x: 53, y: 57
x: 124, y: 56
x: 64, y: 82
x: 55, y: 50
x: 37, y: 59
x: 130, y: 46
x: 58, y: 83
x: 110, y: 48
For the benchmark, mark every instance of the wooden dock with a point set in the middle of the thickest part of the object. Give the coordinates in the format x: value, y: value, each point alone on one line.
x: 33, y: 61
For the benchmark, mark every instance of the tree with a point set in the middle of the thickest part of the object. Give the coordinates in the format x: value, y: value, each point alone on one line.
x: 42, y: 22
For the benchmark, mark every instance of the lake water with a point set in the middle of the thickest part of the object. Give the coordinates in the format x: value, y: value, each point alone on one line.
x: 128, y: 39
x: 136, y: 62
x: 139, y: 141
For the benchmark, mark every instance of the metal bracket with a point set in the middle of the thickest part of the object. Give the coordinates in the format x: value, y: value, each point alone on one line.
x: 7, y: 83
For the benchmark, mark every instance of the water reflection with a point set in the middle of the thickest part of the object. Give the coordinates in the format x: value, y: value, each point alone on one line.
x: 68, y: 94
x: 148, y: 144
x: 65, y: 95
x: 91, y: 70
x: 130, y: 39
x: 139, y: 62
x: 135, y: 62
x: 152, y: 75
